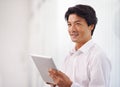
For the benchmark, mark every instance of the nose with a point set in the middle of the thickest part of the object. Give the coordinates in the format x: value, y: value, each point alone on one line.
x: 72, y: 28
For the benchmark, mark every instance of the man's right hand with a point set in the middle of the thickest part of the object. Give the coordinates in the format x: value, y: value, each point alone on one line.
x: 59, y: 78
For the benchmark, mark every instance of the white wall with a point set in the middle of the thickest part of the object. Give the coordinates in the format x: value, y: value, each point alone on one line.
x: 13, y: 43
x: 26, y: 27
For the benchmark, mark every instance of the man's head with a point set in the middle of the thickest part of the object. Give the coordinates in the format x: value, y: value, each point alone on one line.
x: 84, y: 11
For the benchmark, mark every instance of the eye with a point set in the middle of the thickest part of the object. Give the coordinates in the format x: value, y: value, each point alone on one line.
x: 69, y: 24
x: 78, y: 23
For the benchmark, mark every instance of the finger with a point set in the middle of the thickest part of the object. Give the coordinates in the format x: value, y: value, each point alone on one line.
x: 53, y: 76
x: 52, y: 71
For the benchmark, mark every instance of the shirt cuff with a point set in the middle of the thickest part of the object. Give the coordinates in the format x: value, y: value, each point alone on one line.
x: 75, y: 85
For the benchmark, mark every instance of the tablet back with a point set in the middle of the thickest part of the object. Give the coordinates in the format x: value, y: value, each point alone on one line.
x: 43, y: 64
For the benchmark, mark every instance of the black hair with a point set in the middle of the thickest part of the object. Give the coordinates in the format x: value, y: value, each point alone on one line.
x: 84, y: 11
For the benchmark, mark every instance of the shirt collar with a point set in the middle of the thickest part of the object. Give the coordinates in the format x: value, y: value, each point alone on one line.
x: 85, y: 48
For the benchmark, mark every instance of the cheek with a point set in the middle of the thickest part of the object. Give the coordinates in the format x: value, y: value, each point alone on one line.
x: 69, y: 31
x: 81, y: 31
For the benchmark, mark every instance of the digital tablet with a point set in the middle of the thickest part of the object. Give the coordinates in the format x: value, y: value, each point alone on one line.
x: 43, y: 64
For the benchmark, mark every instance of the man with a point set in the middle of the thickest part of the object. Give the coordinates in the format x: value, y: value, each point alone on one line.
x: 86, y: 65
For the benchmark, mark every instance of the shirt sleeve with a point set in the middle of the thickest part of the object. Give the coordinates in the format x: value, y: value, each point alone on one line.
x: 75, y: 85
x: 99, y: 72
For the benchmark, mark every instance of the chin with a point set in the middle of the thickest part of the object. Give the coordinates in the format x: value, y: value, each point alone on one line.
x: 74, y: 40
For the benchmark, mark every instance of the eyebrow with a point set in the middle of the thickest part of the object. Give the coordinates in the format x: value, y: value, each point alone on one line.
x: 74, y: 21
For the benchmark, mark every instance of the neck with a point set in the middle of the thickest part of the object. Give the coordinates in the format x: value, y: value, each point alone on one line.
x: 80, y: 44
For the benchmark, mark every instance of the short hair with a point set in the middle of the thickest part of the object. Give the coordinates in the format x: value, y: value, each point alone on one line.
x: 84, y: 11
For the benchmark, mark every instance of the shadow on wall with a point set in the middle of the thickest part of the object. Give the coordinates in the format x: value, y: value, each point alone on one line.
x: 117, y: 23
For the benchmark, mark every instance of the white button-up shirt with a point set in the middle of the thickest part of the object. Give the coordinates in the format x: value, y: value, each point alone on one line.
x: 88, y: 66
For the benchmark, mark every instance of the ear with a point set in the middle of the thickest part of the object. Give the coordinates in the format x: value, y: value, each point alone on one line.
x: 91, y: 27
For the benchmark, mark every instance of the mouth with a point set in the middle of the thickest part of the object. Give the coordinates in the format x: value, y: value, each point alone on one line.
x: 74, y: 35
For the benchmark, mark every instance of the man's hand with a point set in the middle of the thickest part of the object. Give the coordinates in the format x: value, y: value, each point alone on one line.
x: 59, y: 78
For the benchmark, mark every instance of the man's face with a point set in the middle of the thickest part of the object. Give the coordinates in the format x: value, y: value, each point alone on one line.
x: 78, y: 29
